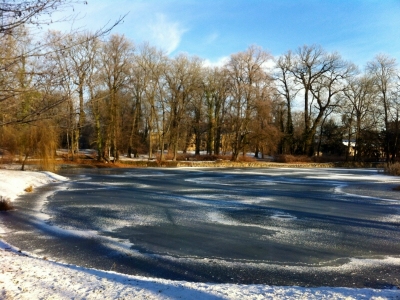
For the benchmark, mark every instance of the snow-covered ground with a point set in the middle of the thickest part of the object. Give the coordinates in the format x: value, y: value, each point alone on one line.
x: 26, y: 276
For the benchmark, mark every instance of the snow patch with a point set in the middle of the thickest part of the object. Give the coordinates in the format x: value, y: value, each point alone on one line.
x: 13, y: 183
x: 34, y: 278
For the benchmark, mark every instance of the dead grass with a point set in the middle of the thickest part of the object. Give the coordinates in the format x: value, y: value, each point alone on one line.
x: 393, y: 169
x: 192, y: 157
x: 91, y: 163
x: 207, y: 157
x: 5, y: 204
x: 242, y: 158
x: 29, y: 189
x: 6, y: 160
x: 211, y: 157
x: 287, y: 158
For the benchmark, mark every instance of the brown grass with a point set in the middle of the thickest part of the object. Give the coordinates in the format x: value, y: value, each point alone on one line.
x: 29, y: 189
x: 287, y: 158
x: 91, y: 163
x: 6, y: 159
x: 393, y: 169
x: 5, y: 204
x: 211, y: 157
x: 169, y: 156
x: 205, y: 157
x: 242, y: 158
x: 191, y: 157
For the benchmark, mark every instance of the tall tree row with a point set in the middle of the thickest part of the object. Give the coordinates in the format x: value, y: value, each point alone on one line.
x: 119, y: 98
x: 363, y: 105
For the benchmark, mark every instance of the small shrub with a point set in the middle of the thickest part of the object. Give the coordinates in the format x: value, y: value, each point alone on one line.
x: 393, y: 169
x: 29, y: 189
x: 242, y: 158
x: 5, y: 204
x: 166, y: 156
x: 287, y: 158
x: 6, y: 159
x: 205, y: 157
x: 224, y: 157
x: 179, y: 156
x: 211, y: 157
x: 183, y: 156
x: 167, y: 164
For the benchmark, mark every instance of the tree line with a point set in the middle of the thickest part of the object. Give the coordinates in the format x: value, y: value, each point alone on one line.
x: 86, y: 90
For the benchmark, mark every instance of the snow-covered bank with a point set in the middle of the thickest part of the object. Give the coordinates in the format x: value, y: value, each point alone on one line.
x: 24, y: 276
x: 13, y: 183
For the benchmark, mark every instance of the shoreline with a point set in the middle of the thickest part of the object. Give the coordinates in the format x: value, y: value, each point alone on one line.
x: 142, y: 163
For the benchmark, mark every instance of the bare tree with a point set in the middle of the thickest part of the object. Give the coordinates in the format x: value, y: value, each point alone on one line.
x: 249, y: 85
x: 74, y: 66
x: 15, y: 19
x: 216, y: 85
x: 320, y: 75
x: 148, y: 68
x: 138, y: 84
x: 18, y: 19
x: 183, y: 78
x: 264, y: 135
x: 359, y: 93
x: 196, y: 115
x: 287, y: 88
x: 116, y: 57
x: 163, y: 122
x: 14, y: 14
x: 383, y: 69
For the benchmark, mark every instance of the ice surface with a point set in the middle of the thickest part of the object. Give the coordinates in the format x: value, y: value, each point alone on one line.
x: 30, y: 277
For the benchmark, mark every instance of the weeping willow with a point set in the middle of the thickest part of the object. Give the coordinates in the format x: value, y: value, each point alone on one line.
x: 37, y: 144
x: 47, y: 143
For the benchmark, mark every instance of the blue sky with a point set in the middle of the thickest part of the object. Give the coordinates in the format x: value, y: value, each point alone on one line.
x: 214, y: 29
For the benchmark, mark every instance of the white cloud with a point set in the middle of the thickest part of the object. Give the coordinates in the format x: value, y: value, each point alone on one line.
x: 211, y: 38
x: 141, y: 24
x: 269, y: 66
x: 216, y: 63
x: 165, y: 34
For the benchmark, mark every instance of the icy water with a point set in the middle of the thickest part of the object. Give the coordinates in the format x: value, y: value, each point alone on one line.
x: 307, y: 227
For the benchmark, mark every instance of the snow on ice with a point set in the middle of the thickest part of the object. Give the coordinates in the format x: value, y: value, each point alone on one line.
x: 26, y: 276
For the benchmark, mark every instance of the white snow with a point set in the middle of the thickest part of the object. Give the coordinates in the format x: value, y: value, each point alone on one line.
x: 13, y: 183
x: 28, y: 276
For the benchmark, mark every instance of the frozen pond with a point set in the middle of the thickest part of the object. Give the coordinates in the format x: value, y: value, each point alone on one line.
x: 307, y: 227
